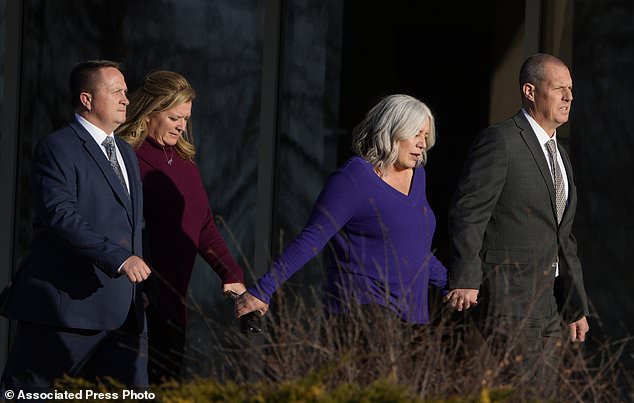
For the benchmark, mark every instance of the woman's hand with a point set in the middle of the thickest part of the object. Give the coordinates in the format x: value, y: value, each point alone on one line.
x: 248, y: 303
x: 236, y: 288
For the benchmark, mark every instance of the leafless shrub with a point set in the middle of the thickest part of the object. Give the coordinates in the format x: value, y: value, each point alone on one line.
x: 431, y: 361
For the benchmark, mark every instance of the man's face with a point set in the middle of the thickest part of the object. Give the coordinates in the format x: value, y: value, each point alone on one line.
x: 108, y: 100
x: 551, y: 98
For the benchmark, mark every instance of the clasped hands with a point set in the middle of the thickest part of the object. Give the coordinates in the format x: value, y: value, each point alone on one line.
x: 244, y: 302
x: 461, y: 299
x: 137, y: 271
x: 248, y: 303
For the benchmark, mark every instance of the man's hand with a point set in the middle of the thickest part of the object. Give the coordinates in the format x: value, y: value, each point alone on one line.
x: 578, y: 330
x: 248, y: 303
x: 135, y: 269
x: 461, y: 299
x: 236, y: 288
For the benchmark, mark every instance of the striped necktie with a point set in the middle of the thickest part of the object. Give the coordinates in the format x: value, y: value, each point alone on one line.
x: 108, y: 143
x: 558, y: 179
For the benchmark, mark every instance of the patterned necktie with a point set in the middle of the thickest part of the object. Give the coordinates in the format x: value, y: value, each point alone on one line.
x: 558, y: 179
x: 108, y: 143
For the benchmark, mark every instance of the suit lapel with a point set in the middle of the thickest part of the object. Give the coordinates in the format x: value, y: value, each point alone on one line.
x: 102, y: 162
x: 134, y: 179
x: 527, y: 133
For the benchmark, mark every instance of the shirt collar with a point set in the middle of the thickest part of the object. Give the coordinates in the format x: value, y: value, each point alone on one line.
x: 541, y: 134
x: 97, y: 134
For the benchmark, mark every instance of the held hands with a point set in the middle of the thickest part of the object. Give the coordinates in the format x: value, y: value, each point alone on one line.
x: 578, y: 330
x: 248, y: 303
x: 135, y: 269
x: 461, y: 299
x: 236, y: 288
x: 249, y: 313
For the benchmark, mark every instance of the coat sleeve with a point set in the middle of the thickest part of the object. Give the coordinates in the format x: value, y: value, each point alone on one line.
x: 473, y: 203
x: 569, y: 288
x: 54, y: 186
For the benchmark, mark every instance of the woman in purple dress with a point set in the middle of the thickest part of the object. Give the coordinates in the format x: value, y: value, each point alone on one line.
x: 179, y: 224
x: 375, y: 214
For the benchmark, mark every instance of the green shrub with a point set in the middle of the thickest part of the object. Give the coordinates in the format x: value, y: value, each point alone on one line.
x: 308, y: 389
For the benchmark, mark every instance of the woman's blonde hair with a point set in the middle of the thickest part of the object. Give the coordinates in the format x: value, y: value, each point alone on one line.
x: 394, y: 118
x: 161, y: 90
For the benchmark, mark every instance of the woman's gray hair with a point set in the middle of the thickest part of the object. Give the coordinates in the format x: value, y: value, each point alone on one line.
x: 394, y: 118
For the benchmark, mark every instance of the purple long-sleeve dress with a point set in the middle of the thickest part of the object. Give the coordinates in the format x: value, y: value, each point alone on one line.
x: 381, y: 244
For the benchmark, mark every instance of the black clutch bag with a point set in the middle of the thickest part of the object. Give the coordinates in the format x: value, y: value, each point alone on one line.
x: 250, y: 322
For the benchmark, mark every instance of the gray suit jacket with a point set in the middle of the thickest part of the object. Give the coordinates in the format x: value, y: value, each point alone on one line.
x: 503, y: 227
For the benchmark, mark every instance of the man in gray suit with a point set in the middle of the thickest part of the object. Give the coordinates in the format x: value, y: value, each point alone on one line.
x: 513, y: 256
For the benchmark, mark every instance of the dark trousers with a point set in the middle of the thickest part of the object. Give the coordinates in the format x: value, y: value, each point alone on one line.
x: 520, y: 348
x: 167, y: 348
x: 41, y: 354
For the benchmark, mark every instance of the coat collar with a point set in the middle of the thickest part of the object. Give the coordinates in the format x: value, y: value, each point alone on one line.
x: 94, y: 150
x: 529, y: 137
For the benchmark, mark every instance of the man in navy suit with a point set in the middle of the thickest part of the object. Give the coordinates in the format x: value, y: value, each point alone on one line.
x: 77, y: 297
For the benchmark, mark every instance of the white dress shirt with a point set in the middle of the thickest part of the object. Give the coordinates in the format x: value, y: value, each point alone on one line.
x: 543, y: 138
x: 99, y: 136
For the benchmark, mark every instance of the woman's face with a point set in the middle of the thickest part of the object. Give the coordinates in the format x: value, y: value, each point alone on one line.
x: 167, y: 126
x: 410, y: 150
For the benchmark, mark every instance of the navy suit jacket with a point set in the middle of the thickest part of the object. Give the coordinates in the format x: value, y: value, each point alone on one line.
x: 85, y: 228
x: 504, y: 231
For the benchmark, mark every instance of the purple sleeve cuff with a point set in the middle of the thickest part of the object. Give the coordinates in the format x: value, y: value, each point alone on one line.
x: 259, y: 295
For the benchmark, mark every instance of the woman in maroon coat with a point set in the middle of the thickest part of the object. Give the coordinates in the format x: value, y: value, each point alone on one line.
x: 179, y: 223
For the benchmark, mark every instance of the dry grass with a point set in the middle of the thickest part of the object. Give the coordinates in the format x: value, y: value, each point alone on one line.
x: 371, y: 356
x: 428, y: 362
